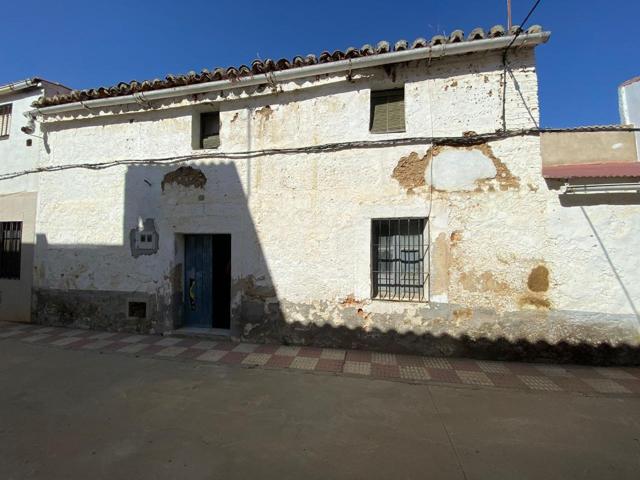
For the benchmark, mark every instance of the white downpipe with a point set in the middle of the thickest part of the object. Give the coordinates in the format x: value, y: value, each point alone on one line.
x: 311, y: 70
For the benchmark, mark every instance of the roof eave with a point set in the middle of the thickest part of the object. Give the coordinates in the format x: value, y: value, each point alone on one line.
x: 434, y: 51
x: 19, y: 86
x: 591, y: 170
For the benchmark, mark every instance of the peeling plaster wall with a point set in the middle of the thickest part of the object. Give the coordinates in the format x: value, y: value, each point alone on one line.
x: 300, y: 223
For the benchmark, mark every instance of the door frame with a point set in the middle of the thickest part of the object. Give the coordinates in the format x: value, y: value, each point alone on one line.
x: 206, y: 323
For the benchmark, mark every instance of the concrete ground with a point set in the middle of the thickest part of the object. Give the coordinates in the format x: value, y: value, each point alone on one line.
x: 73, y: 414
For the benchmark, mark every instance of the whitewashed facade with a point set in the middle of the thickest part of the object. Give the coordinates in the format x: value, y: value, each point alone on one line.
x: 512, y: 271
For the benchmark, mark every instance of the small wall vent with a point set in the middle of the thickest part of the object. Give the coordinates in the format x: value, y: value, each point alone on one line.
x: 137, y: 310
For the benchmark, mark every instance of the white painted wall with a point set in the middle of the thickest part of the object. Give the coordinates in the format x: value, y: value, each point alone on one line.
x: 629, y: 102
x: 629, y: 97
x: 15, y: 155
x: 18, y: 201
x: 302, y: 221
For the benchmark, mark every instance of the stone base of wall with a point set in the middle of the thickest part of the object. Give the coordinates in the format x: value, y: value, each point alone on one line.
x: 99, y: 310
x: 449, y: 346
x: 433, y: 330
x: 449, y: 330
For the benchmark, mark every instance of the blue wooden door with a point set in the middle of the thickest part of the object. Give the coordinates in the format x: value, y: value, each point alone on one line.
x: 198, y: 282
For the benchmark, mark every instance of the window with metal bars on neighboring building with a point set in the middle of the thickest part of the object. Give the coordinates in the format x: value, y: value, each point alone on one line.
x: 5, y: 120
x: 400, y: 259
x: 10, y: 249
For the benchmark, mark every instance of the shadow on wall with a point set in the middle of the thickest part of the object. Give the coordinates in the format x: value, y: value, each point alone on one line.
x: 15, y: 293
x: 582, y: 200
x: 592, y: 199
x: 445, y: 345
x: 94, y: 286
x: 611, y: 264
x: 103, y: 286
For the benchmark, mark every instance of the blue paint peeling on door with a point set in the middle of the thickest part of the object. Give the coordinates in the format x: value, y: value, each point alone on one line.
x: 198, y: 282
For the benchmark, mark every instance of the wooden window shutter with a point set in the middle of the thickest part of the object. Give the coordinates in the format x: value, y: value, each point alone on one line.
x: 395, y: 112
x: 387, y: 111
x: 378, y: 113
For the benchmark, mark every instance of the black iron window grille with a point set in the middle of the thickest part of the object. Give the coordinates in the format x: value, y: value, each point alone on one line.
x: 400, y: 259
x: 10, y: 249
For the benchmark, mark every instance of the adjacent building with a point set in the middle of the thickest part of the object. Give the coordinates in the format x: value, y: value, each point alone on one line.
x: 21, y: 147
x: 629, y: 95
x: 389, y: 197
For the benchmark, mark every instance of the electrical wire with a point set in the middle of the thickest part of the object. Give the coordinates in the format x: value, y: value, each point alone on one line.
x: 430, y: 159
x: 454, y: 141
x: 519, y: 30
x: 521, y: 26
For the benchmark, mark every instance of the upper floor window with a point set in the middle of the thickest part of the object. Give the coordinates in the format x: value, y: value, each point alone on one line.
x: 387, y: 111
x: 5, y: 120
x: 10, y: 248
x: 210, y: 130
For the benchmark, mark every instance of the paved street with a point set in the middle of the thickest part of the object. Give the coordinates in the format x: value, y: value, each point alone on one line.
x: 404, y: 368
x: 77, y: 413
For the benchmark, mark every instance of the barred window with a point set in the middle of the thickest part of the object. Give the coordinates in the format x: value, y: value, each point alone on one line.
x: 400, y: 261
x: 5, y: 120
x: 10, y: 248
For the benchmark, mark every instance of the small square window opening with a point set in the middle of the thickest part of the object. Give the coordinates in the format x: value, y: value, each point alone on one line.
x: 137, y: 310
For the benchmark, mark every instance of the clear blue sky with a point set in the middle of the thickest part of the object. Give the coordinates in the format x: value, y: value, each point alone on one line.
x: 83, y: 44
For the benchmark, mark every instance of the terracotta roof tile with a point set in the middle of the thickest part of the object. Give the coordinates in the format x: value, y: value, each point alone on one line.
x: 264, y: 66
x: 592, y: 170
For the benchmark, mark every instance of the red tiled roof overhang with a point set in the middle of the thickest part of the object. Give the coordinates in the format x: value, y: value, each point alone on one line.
x: 592, y: 170
x: 269, y: 65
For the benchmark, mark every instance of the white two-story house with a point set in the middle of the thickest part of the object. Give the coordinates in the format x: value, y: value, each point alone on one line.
x: 21, y: 147
x: 388, y: 197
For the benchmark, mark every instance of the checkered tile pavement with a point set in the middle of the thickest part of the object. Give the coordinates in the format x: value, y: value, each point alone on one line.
x: 408, y: 368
